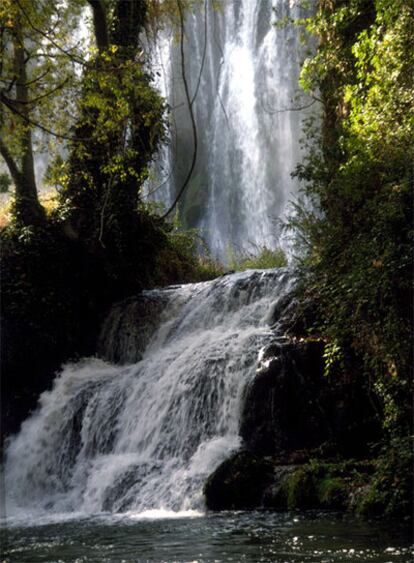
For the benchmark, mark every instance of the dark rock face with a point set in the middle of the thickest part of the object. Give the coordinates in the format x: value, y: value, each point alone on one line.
x: 292, y: 406
x: 129, y: 327
x: 282, y: 407
x: 238, y: 483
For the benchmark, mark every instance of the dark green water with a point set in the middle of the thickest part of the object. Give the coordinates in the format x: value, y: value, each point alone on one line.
x: 236, y: 537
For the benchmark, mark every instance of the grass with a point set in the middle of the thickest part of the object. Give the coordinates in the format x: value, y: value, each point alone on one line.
x: 265, y: 258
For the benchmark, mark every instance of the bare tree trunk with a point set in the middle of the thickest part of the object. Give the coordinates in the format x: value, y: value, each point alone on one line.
x: 100, y: 24
x: 28, y: 208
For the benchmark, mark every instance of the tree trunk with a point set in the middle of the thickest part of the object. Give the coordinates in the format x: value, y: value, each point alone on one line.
x: 28, y: 208
x: 100, y: 24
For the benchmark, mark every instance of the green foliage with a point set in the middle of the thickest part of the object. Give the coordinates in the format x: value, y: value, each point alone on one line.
x: 53, y: 55
x: 119, y: 124
x: 332, y: 356
x: 357, y: 235
x: 331, y: 491
x: 263, y: 258
x: 186, y: 251
x: 354, y: 223
x: 300, y: 489
x: 389, y: 492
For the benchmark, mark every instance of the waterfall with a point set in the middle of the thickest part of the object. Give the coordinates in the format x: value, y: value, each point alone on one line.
x: 145, y: 435
x: 245, y: 72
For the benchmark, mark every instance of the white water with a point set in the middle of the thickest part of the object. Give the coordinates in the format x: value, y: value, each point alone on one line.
x: 141, y: 439
x: 248, y: 142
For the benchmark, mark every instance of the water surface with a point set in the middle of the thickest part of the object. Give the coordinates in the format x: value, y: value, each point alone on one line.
x: 237, y: 537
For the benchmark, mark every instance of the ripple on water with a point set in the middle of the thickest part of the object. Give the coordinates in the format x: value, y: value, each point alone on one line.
x: 161, y: 536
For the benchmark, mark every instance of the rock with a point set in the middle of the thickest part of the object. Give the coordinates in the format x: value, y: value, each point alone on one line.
x: 238, y: 483
x: 282, y: 409
x: 249, y: 482
x: 274, y: 495
x: 129, y: 327
x: 291, y: 406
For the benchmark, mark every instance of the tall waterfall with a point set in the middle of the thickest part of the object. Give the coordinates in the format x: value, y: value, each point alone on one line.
x: 145, y: 435
x: 242, y: 72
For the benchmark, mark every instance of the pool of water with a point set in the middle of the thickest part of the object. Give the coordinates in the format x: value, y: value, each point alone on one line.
x: 194, y: 537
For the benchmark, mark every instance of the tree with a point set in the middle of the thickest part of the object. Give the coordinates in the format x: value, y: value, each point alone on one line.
x: 36, y: 79
x: 118, y: 126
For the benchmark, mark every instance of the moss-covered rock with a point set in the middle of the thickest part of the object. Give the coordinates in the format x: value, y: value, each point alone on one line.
x: 246, y: 481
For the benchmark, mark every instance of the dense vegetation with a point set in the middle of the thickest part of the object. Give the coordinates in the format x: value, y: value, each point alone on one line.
x: 355, y: 223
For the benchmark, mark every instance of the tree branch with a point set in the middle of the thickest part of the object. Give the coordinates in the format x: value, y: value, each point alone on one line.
x: 203, y: 58
x: 46, y: 36
x: 41, y: 97
x: 9, y: 105
x: 297, y: 108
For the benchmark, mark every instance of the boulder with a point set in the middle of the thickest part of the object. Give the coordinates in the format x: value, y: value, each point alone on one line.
x: 246, y: 481
x: 291, y: 405
x: 238, y: 483
x: 129, y: 327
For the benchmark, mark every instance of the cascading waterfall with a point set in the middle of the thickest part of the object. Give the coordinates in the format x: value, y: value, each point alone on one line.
x: 245, y: 72
x: 144, y: 436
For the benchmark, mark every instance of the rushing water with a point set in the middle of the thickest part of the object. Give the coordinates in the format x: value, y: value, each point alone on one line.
x: 145, y: 436
x: 111, y: 466
x: 236, y: 537
x: 245, y: 71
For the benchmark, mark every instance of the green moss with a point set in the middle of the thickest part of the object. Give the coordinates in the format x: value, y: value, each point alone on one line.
x: 331, y: 491
x: 324, y: 485
x: 300, y: 489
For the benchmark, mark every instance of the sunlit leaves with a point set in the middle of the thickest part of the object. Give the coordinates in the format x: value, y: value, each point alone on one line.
x: 46, y: 31
x: 358, y: 176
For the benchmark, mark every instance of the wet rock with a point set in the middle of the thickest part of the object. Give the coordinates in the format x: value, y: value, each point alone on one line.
x: 291, y: 406
x: 238, y: 483
x: 129, y: 327
x: 282, y: 409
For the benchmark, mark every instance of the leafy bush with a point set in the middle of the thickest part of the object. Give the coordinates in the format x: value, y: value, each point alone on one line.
x: 390, y: 490
x: 354, y: 223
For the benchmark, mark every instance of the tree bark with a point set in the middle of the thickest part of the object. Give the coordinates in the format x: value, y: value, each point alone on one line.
x: 28, y: 208
x: 100, y: 24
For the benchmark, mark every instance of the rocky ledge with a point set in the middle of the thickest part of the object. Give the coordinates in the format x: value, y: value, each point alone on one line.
x: 296, y: 424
